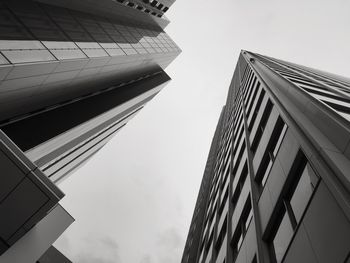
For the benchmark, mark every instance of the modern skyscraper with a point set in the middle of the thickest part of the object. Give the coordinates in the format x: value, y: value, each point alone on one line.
x: 276, y: 186
x: 72, y: 73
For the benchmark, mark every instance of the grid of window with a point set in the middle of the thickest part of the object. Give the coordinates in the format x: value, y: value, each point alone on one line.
x: 152, y: 7
x: 337, y: 102
x: 37, y: 32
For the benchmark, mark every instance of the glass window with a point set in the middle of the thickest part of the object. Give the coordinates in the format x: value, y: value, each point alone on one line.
x: 115, y: 52
x: 240, y: 241
x: 262, y: 124
x: 267, y: 171
x: 130, y: 51
x: 94, y: 52
x: 3, y: 60
x: 249, y: 218
x: 23, y: 56
x: 68, y: 53
x: 278, y: 144
x: 294, y: 203
x: 282, y: 237
x: 303, y: 192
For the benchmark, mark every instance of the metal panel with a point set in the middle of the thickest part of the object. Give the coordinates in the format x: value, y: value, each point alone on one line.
x: 35, y: 242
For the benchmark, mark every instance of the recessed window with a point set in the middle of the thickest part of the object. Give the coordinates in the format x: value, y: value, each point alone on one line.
x: 240, y: 184
x: 256, y: 111
x: 303, y: 191
x: 301, y: 184
x: 261, y: 126
x: 282, y: 238
x: 242, y: 227
x: 221, y: 236
x: 223, y: 203
x: 251, y: 102
x: 271, y: 151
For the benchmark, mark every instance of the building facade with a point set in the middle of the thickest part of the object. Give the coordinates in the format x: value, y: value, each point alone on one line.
x: 72, y: 74
x: 276, y: 187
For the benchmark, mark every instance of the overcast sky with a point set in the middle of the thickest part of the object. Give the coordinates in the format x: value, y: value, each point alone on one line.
x: 134, y: 200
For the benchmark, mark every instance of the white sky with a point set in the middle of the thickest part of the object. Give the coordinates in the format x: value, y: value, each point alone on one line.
x: 133, y: 201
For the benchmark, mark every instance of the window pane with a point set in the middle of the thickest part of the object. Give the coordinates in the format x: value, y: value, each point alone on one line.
x: 3, y: 60
x: 240, y: 241
x: 68, y: 53
x: 267, y: 172
x: 247, y: 222
x: 23, y: 56
x: 282, y: 238
x: 303, y: 192
x: 278, y: 144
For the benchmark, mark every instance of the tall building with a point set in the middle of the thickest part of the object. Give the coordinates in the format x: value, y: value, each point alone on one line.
x: 276, y: 186
x: 72, y: 74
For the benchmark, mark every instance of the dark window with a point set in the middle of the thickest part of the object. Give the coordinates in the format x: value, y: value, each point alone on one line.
x: 250, y: 105
x: 226, y: 176
x: 257, y: 108
x: 282, y: 238
x: 242, y: 227
x: 237, y: 162
x: 165, y: 9
x: 210, y: 240
x: 250, y: 91
x: 131, y: 4
x: 239, y: 187
x: 299, y: 188
x: 224, y: 200
x: 221, y: 236
x: 262, y: 126
x: 303, y: 191
x: 271, y: 151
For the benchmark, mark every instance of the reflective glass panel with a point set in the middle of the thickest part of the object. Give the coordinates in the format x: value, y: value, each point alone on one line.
x: 282, y: 238
x: 68, y: 53
x: 303, y: 192
x: 250, y: 216
x: 23, y: 56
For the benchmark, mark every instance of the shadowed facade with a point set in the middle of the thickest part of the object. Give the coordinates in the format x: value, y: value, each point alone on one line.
x: 72, y: 74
